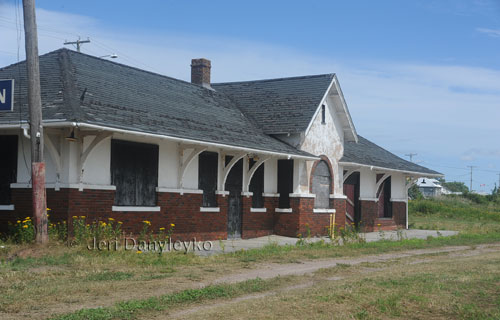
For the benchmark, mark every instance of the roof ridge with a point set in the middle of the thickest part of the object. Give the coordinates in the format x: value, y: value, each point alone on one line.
x: 278, y: 79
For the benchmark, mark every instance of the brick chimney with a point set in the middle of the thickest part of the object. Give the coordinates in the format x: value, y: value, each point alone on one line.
x: 200, y: 72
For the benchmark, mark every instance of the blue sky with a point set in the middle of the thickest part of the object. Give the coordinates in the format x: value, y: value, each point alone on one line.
x: 418, y: 76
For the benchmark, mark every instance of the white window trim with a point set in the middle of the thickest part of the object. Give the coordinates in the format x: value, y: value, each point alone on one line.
x: 181, y: 191
x: 258, y: 209
x: 318, y: 210
x: 274, y: 195
x: 209, y: 209
x: 7, y: 207
x: 302, y: 195
x: 135, y: 209
x: 283, y: 210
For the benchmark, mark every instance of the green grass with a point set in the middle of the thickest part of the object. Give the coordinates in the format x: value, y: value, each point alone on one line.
x: 43, y: 278
x: 454, y: 213
x: 130, y: 309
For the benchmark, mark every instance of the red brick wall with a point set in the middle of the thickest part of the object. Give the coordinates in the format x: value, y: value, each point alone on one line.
x: 317, y: 223
x: 371, y: 222
x: 369, y: 213
x: 340, y: 209
x: 183, y: 211
x: 258, y: 224
x: 399, y: 213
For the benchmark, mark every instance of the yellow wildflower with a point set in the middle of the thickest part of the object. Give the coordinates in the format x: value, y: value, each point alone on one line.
x: 103, y: 224
x: 18, y: 221
x: 111, y: 219
x: 172, y: 225
x: 75, y: 217
x: 119, y: 222
x: 147, y: 222
x: 25, y: 226
x: 48, y: 209
x: 82, y: 217
x: 161, y: 229
x: 138, y: 251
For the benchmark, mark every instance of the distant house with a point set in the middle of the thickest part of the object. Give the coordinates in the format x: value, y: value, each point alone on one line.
x: 240, y: 159
x: 429, y: 187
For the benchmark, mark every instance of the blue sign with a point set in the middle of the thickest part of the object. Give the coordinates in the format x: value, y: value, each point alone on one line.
x: 6, y: 95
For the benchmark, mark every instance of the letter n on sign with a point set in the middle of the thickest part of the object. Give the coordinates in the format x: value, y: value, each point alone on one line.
x: 7, y: 95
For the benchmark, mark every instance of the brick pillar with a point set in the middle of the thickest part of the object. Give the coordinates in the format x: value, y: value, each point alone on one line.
x: 369, y: 213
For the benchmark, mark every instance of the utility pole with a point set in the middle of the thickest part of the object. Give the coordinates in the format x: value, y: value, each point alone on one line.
x: 471, y: 167
x: 36, y: 128
x: 78, y: 43
x: 411, y: 156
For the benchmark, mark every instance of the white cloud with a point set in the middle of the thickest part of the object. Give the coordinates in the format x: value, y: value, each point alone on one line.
x: 491, y: 32
x: 438, y: 111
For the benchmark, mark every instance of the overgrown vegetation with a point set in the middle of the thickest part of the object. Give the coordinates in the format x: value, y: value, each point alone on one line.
x: 471, y: 213
x: 46, y: 279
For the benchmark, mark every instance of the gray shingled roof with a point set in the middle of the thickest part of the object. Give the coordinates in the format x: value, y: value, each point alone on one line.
x: 284, y: 105
x: 83, y: 88
x: 368, y: 153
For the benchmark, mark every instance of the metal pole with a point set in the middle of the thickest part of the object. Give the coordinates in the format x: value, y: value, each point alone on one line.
x: 36, y: 128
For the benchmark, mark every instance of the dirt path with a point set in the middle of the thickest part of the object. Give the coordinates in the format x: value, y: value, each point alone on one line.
x: 267, y: 271
x: 259, y: 270
x: 308, y: 268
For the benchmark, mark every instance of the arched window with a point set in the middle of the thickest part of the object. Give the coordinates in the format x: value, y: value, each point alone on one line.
x: 321, y: 185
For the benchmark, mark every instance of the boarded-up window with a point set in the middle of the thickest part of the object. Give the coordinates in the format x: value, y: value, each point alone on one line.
x: 257, y: 186
x: 321, y: 185
x: 8, y: 167
x: 134, y: 172
x: 285, y: 182
x: 207, y: 177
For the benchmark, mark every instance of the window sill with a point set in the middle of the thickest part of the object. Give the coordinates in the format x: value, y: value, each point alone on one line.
x: 323, y: 210
x: 258, y: 209
x: 209, y: 209
x: 135, y: 209
x: 7, y: 207
x: 283, y: 210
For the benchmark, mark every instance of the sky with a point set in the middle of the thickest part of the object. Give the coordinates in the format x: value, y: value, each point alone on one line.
x: 418, y: 76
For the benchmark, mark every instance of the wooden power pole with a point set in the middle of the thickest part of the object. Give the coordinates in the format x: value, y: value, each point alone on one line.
x: 36, y: 128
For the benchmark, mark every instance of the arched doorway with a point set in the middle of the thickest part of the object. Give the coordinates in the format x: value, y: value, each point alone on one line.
x: 351, y: 190
x: 384, y: 199
x: 322, y: 185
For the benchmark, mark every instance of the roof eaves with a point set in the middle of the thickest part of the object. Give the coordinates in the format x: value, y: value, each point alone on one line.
x: 409, y: 172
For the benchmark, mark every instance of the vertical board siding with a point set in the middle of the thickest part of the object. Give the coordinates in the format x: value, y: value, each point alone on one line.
x: 207, y: 177
x: 285, y: 182
x: 8, y: 167
x: 134, y: 172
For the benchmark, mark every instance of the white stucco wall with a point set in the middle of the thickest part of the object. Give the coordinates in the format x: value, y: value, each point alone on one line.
x: 168, y: 164
x: 24, y: 162
x: 191, y: 175
x: 398, y: 186
x: 97, y: 168
x: 325, y: 139
x: 368, y: 181
x: 271, y: 176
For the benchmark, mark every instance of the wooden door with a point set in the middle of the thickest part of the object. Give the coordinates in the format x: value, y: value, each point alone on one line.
x: 234, y: 183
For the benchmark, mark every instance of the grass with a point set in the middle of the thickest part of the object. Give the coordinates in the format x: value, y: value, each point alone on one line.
x: 452, y: 213
x: 58, y: 279
x: 442, y: 287
x: 130, y: 309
